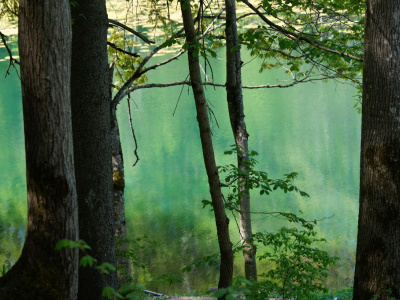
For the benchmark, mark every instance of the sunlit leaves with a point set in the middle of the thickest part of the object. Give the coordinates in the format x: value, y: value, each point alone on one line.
x: 125, y: 65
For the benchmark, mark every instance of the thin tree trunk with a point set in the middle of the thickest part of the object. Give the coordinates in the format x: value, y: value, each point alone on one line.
x: 378, y: 245
x: 90, y: 92
x: 236, y: 116
x: 222, y: 221
x: 123, y: 266
x: 45, y: 51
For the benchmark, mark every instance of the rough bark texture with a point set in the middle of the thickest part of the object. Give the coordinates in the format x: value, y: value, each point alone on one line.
x: 90, y: 92
x: 236, y: 116
x: 45, y: 52
x: 222, y: 222
x: 378, y: 246
x: 124, y: 272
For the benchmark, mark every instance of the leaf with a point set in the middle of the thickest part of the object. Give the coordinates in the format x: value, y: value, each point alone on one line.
x: 87, y: 260
x: 219, y: 293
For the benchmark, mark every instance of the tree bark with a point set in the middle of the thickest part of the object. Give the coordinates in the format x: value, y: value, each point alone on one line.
x: 222, y: 221
x: 236, y: 116
x: 45, y: 53
x: 378, y: 245
x: 90, y: 92
x: 123, y: 266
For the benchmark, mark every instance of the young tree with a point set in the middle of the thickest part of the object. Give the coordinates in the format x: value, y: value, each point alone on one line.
x: 90, y: 100
x: 45, y: 51
x: 222, y: 221
x: 234, y: 96
x: 378, y: 243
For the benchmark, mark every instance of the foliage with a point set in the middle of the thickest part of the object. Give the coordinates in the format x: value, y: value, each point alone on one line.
x: 336, y: 25
x: 344, y: 294
x: 9, y: 9
x: 209, y: 260
x: 128, y: 291
x: 141, y: 242
x: 125, y: 64
x: 259, y: 180
x: 299, y: 267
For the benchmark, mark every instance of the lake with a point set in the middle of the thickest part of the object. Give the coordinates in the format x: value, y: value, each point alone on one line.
x: 310, y: 128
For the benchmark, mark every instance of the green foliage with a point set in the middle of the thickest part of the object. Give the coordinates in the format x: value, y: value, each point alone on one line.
x: 125, y: 65
x: 258, y: 180
x: 141, y: 242
x: 209, y: 260
x: 166, y: 279
x: 128, y: 291
x: 4, y: 270
x: 299, y: 267
x: 344, y: 294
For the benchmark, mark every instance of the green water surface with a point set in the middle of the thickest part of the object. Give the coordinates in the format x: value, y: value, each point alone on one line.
x: 312, y: 129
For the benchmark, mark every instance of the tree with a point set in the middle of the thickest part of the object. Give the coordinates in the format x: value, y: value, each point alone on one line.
x: 90, y: 100
x: 221, y: 220
x: 45, y: 51
x: 236, y: 115
x: 378, y: 242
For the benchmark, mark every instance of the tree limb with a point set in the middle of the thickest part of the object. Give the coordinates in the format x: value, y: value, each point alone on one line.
x: 297, y: 36
x: 138, y: 34
x: 13, y: 61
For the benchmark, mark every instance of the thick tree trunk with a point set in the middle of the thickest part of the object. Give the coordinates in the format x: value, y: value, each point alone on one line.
x: 45, y: 51
x: 236, y: 116
x: 222, y: 221
x: 378, y: 246
x: 90, y: 92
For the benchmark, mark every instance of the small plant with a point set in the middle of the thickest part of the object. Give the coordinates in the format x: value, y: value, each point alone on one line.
x: 128, y: 291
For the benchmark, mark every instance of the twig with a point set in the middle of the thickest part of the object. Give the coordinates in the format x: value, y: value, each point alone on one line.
x: 13, y: 61
x: 133, y: 132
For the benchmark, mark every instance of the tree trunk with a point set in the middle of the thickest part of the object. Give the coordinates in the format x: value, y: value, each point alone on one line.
x: 378, y: 245
x: 45, y: 51
x: 236, y: 116
x: 222, y: 221
x: 123, y: 266
x: 90, y: 95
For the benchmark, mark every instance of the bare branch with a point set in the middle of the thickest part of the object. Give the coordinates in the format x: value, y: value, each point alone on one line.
x: 13, y: 61
x: 133, y: 133
x: 138, y: 34
x: 122, y: 50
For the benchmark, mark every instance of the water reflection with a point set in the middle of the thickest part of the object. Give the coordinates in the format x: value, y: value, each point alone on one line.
x: 312, y: 129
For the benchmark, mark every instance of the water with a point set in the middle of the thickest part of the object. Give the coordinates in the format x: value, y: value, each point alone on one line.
x: 312, y: 129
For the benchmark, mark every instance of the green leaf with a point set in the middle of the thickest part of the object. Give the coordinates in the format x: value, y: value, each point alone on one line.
x: 219, y: 293
x: 87, y: 260
x: 108, y: 292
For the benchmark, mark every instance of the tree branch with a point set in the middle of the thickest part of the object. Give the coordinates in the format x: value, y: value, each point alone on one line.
x: 13, y: 61
x: 138, y: 34
x: 122, y: 50
x: 297, y: 36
